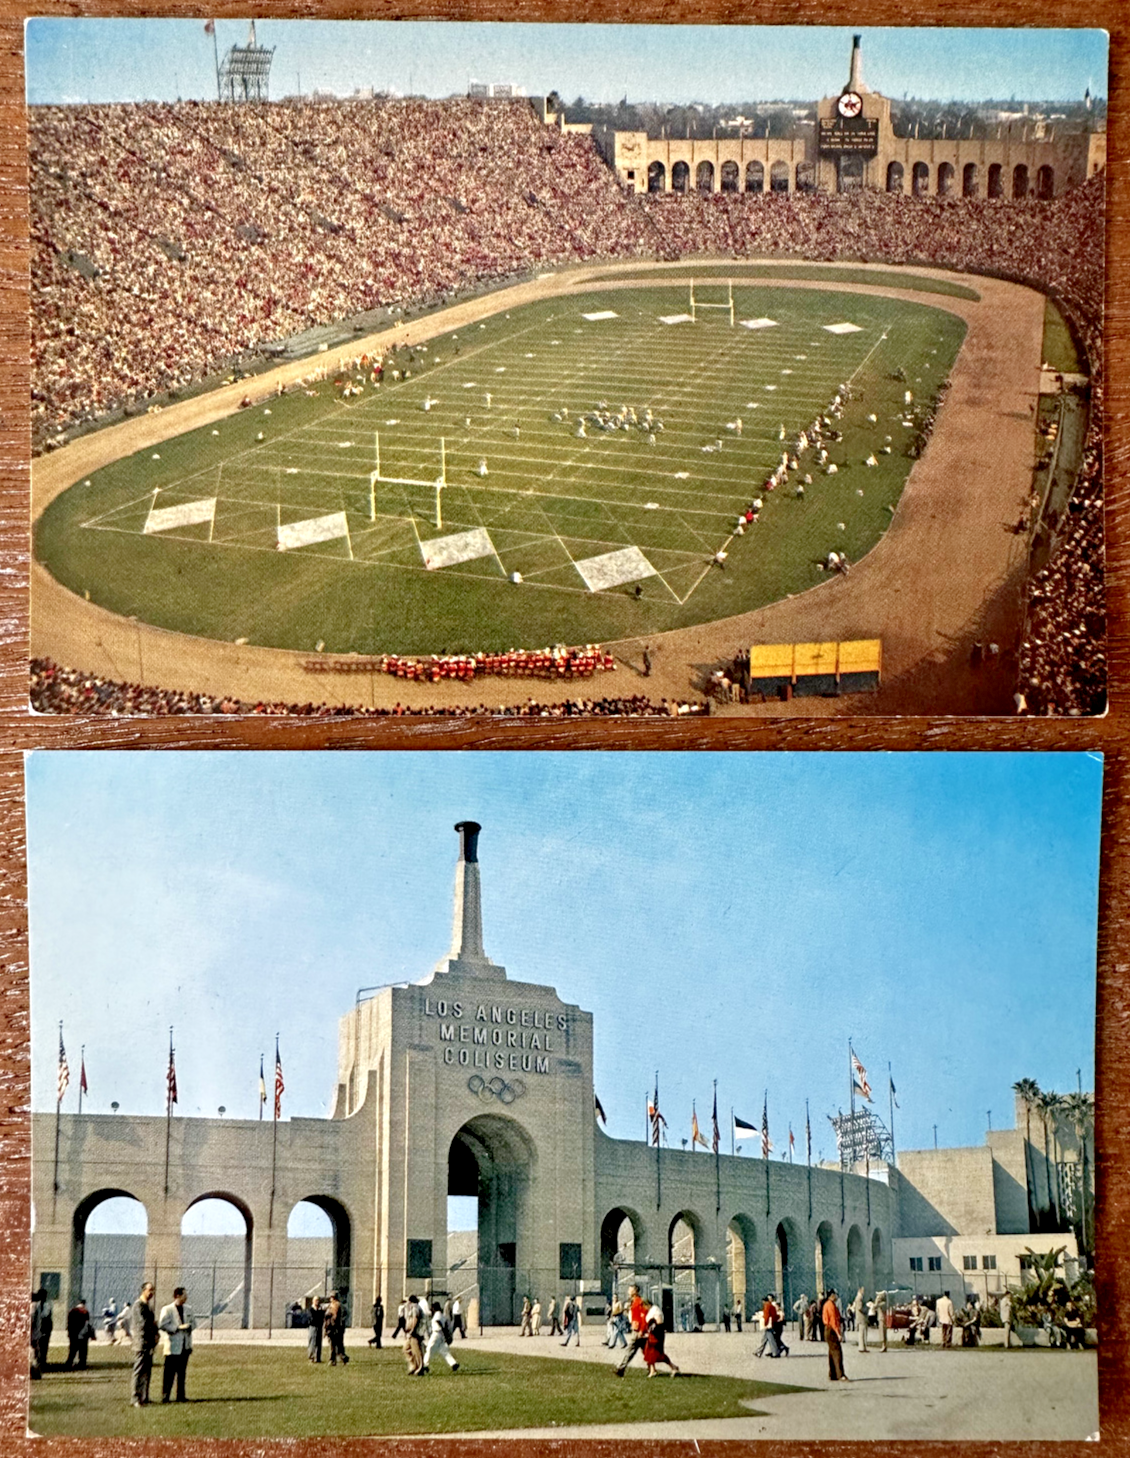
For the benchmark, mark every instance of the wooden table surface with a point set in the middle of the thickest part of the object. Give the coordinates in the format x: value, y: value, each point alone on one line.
x: 1109, y: 736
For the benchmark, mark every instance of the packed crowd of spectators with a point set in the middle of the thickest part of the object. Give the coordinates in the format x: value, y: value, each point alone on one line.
x: 170, y: 240
x: 56, y: 690
x: 553, y: 663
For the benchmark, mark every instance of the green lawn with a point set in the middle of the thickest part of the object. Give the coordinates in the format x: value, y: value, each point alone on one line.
x: 259, y: 1392
x: 787, y: 268
x: 551, y: 500
x: 1059, y: 348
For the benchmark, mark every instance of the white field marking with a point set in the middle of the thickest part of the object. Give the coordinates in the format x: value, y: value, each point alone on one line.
x: 682, y: 475
x: 470, y: 384
x: 770, y: 387
x: 612, y: 568
x: 462, y: 547
x: 676, y: 318
x: 842, y: 328
x: 651, y: 506
x: 314, y: 529
x: 758, y: 323
x: 96, y: 521
x: 189, y: 513
x: 601, y: 314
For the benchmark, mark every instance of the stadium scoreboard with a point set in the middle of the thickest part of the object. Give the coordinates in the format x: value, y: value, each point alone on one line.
x: 857, y: 135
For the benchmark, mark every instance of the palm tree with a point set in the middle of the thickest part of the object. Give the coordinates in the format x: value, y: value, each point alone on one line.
x: 1047, y: 1106
x: 1079, y: 1110
x: 1028, y: 1091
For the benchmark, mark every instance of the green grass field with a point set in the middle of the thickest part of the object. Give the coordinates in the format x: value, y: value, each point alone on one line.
x: 260, y: 1392
x: 509, y: 392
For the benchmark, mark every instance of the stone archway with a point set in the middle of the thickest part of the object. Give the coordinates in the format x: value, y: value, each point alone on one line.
x: 945, y: 179
x: 779, y: 177
x: 684, y: 1236
x: 704, y: 177
x: 920, y: 179
x: 856, y: 1262
x: 730, y: 176
x: 996, y: 180
x: 969, y: 181
x: 1019, y: 181
x: 108, y: 1265
x: 878, y: 1260
x: 656, y: 177
x: 895, y: 177
x: 492, y: 1157
x: 316, y: 1267
x: 741, y: 1263
x: 215, y: 1259
x: 827, y: 1271
x: 754, y: 177
x: 849, y: 172
x: 1045, y: 183
x: 680, y: 177
x: 621, y: 1245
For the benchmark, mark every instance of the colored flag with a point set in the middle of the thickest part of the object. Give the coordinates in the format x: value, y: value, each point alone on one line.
x: 279, y: 1085
x: 792, y: 1138
x: 696, y: 1132
x: 209, y: 27
x: 893, y: 1091
x: 741, y: 1127
x: 861, y: 1089
x: 716, y: 1137
x: 64, y: 1071
x: 171, y: 1080
x: 861, y: 1076
x: 658, y: 1122
x: 600, y: 1114
x: 807, y: 1135
x: 82, y: 1075
x: 262, y: 1087
x: 766, y: 1142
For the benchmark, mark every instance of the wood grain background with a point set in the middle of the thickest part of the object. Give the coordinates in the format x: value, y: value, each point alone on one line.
x: 1110, y: 736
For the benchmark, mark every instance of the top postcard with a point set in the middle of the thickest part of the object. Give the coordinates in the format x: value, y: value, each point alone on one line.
x: 370, y: 373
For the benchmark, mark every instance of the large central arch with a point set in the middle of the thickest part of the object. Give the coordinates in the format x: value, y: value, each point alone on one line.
x: 492, y: 1157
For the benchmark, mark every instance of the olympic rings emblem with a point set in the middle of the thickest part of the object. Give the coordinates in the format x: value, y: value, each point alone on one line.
x: 497, y: 1088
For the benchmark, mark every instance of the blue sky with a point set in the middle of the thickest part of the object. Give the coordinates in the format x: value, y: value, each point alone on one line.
x: 729, y: 916
x: 88, y: 59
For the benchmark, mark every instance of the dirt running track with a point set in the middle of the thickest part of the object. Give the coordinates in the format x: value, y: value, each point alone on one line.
x: 947, y: 572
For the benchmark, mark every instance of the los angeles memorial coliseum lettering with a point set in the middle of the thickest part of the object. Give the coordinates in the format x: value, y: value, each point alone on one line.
x: 493, y: 1036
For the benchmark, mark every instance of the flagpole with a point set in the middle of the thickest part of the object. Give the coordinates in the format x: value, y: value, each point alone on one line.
x: 274, y: 1140
x: 808, y: 1155
x: 733, y: 1134
x: 843, y: 1211
x: 81, y: 1074
x: 867, y: 1172
x: 58, y: 1111
x: 717, y: 1156
x: 168, y: 1113
x: 891, y: 1092
x: 765, y: 1147
x: 216, y: 55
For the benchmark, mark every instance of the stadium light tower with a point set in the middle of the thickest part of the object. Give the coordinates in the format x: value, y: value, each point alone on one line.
x: 245, y: 72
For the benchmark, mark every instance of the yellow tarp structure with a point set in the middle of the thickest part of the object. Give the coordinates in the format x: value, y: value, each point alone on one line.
x: 808, y: 660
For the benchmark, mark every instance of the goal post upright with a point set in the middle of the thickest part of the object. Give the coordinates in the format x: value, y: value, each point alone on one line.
x: 731, y: 303
x: 694, y: 317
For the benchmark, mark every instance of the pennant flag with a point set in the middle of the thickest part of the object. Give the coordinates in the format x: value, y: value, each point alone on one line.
x: 792, y: 1138
x: 171, y: 1080
x: 741, y: 1127
x: 209, y: 27
x: 279, y: 1085
x: 696, y: 1133
x: 64, y: 1071
x: 893, y: 1092
x: 600, y: 1114
x: 82, y: 1075
x: 715, y: 1138
x: 861, y: 1076
x: 262, y: 1087
x: 766, y: 1142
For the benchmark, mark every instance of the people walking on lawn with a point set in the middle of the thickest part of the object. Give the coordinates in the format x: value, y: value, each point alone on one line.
x: 637, y: 1322
x: 535, y: 1317
x: 859, y: 1311
x: 80, y: 1332
x: 552, y: 1317
x: 458, y: 1325
x: 833, y: 1330
x: 335, y: 1330
x: 378, y: 1320
x: 526, y: 1330
x: 881, y: 1315
x: 653, y: 1352
x: 571, y: 1316
x: 414, y: 1329
x: 400, y: 1316
x: 317, y: 1318
x: 437, y: 1345
x: 617, y: 1325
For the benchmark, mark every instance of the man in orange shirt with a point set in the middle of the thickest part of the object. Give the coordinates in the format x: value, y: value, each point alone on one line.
x: 637, y: 1317
x: 833, y: 1330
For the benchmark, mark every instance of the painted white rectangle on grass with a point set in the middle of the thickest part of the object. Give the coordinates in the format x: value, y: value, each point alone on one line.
x: 611, y: 568
x: 676, y: 318
x: 189, y: 513
x: 758, y: 323
x: 602, y: 314
x: 314, y: 529
x: 462, y: 547
x: 843, y: 328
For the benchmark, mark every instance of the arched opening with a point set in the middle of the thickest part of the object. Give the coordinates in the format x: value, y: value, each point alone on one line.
x: 108, y: 1237
x: 680, y: 177
x: 782, y: 1278
x: 806, y: 177
x: 969, y: 180
x: 996, y: 180
x: 318, y: 1252
x: 754, y: 177
x: 215, y: 1261
x: 730, y: 176
x: 856, y: 1264
x: 878, y: 1261
x: 896, y: 179
x: 621, y: 1244
x: 1045, y: 183
x: 704, y: 177
x: 920, y: 179
x: 849, y: 172
x: 945, y: 179
x: 1019, y: 181
x: 827, y: 1275
x: 779, y: 177
x: 741, y: 1264
x: 491, y: 1160
x: 657, y: 177
x: 682, y: 1246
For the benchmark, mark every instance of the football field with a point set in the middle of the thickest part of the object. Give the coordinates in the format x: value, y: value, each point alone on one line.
x: 563, y: 472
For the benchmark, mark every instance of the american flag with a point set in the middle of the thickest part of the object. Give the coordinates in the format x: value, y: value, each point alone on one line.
x: 171, y: 1080
x: 861, y: 1076
x: 658, y: 1122
x: 716, y: 1137
x: 82, y: 1075
x: 279, y: 1085
x: 766, y: 1142
x: 64, y: 1071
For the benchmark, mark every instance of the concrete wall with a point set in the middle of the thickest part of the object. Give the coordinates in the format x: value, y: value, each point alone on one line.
x: 946, y: 1191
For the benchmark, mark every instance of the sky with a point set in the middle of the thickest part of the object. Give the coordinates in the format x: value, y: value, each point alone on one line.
x: 723, y: 916
x: 95, y: 60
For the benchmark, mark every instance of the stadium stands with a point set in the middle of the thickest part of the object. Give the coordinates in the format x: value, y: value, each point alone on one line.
x: 170, y: 240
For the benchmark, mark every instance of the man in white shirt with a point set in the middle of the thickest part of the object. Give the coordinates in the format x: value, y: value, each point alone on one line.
x: 176, y: 1324
x: 437, y: 1343
x: 945, y: 1314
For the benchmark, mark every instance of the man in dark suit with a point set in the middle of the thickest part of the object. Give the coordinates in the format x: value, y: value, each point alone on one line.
x: 378, y: 1322
x: 143, y: 1339
x: 176, y: 1323
x: 79, y: 1332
